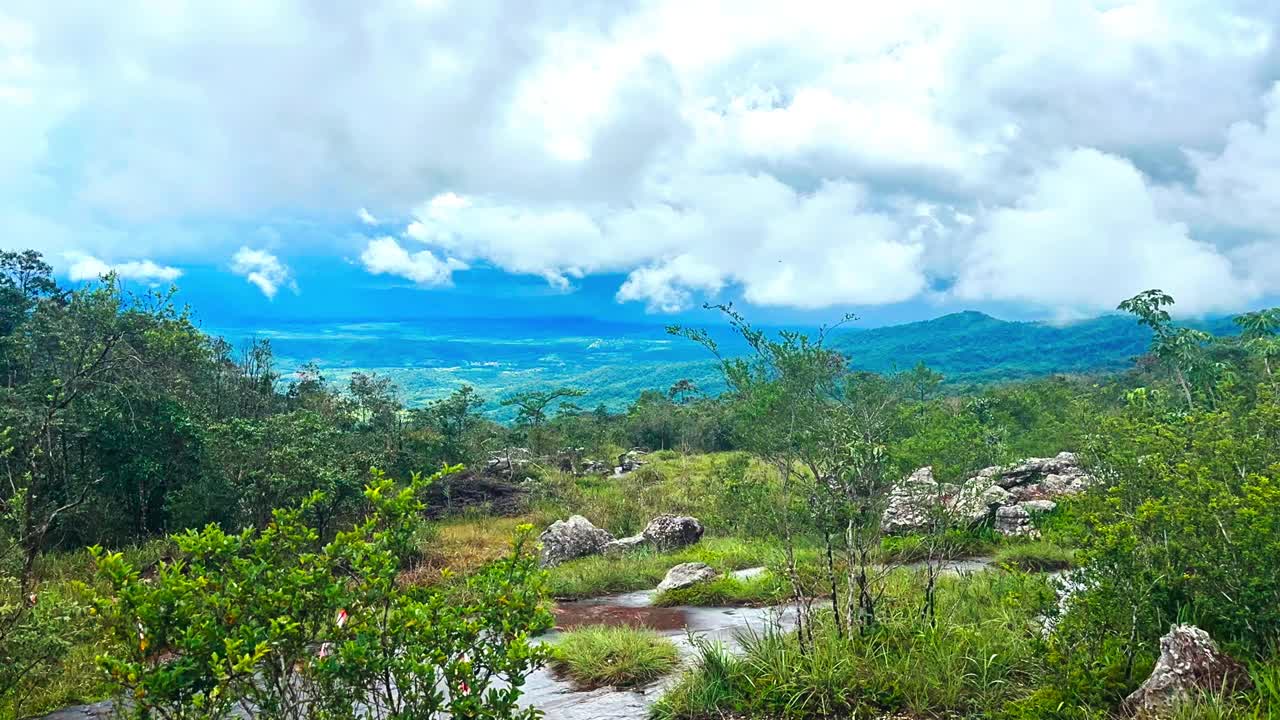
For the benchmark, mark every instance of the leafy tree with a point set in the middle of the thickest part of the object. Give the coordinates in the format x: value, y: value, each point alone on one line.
x: 1182, y: 349
x: 531, y: 411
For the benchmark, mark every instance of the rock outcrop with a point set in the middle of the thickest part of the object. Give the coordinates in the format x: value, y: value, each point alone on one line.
x: 1014, y: 520
x: 1010, y: 496
x: 685, y: 575
x: 572, y: 538
x: 672, y: 532
x: 1190, y: 662
x: 911, y: 503
x: 630, y: 461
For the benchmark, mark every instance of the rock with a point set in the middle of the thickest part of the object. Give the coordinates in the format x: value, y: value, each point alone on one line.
x: 1190, y: 662
x: 671, y: 532
x: 572, y: 538
x: 1013, y: 520
x: 622, y: 546
x: 1038, y: 506
x: 910, y: 502
x: 630, y: 461
x: 685, y: 575
x: 977, y: 500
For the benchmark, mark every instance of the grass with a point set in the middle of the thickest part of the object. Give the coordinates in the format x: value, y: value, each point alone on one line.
x: 1037, y: 556
x: 959, y: 544
x: 764, y: 589
x: 617, y: 656
x: 981, y: 654
x: 643, y: 570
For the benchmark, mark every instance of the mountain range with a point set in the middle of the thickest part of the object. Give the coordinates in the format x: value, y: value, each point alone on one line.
x: 614, y: 362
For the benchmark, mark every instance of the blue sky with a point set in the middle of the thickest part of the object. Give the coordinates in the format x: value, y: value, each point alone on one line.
x: 629, y: 161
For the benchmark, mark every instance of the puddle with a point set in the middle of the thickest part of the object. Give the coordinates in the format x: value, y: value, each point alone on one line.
x: 575, y: 615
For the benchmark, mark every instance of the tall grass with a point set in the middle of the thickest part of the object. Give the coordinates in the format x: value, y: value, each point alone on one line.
x: 618, y: 656
x: 982, y: 653
x: 644, y: 569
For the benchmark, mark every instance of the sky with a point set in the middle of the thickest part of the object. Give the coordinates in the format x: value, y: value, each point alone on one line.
x: 633, y: 160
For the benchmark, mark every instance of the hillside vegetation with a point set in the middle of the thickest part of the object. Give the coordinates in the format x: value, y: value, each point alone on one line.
x: 189, y: 532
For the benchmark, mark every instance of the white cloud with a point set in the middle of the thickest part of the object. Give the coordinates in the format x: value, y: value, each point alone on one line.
x: 785, y: 154
x: 1087, y: 235
x: 86, y: 267
x: 697, y: 234
x: 385, y: 256
x: 264, y: 270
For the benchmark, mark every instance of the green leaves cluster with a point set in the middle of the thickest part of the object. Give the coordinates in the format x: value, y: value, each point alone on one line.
x: 280, y: 625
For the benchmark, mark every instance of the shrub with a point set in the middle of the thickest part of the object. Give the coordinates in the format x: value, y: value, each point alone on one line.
x: 618, y: 656
x: 278, y: 622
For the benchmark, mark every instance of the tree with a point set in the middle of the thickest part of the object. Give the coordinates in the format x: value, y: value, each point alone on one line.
x: 531, y: 410
x: 923, y: 381
x: 798, y: 409
x: 1258, y: 332
x: 1181, y: 349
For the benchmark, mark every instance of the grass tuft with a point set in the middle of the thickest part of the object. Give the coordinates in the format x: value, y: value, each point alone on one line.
x: 1039, y: 556
x: 613, y: 656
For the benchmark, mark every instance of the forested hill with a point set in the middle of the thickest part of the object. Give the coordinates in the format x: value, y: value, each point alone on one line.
x: 967, y: 348
x: 975, y: 347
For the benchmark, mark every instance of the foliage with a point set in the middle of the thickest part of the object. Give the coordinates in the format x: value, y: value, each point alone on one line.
x: 272, y: 620
x: 617, y: 656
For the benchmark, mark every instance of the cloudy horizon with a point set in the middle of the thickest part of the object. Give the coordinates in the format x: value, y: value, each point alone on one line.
x: 1051, y: 156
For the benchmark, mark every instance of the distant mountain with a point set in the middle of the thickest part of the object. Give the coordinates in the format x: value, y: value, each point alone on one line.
x: 614, y: 363
x: 972, y: 347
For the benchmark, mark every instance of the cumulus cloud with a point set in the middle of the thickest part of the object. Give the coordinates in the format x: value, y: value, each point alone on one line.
x: 86, y: 267
x: 264, y: 270
x: 1087, y: 234
x: 386, y: 256
x: 808, y: 156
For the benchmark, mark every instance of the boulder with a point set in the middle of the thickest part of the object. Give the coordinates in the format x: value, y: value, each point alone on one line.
x: 1013, y: 520
x: 572, y: 538
x: 1190, y: 662
x: 630, y: 461
x: 908, y: 507
x: 622, y: 546
x: 671, y: 532
x: 685, y: 575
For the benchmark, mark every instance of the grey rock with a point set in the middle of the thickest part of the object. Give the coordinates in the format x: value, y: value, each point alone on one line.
x: 685, y: 575
x: 1190, y: 662
x: 622, y: 546
x: 672, y: 532
x: 1038, y: 506
x: 1013, y: 520
x: 910, y: 504
x: 572, y: 538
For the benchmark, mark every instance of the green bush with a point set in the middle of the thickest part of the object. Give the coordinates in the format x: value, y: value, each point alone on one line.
x: 277, y: 621
x: 618, y: 656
